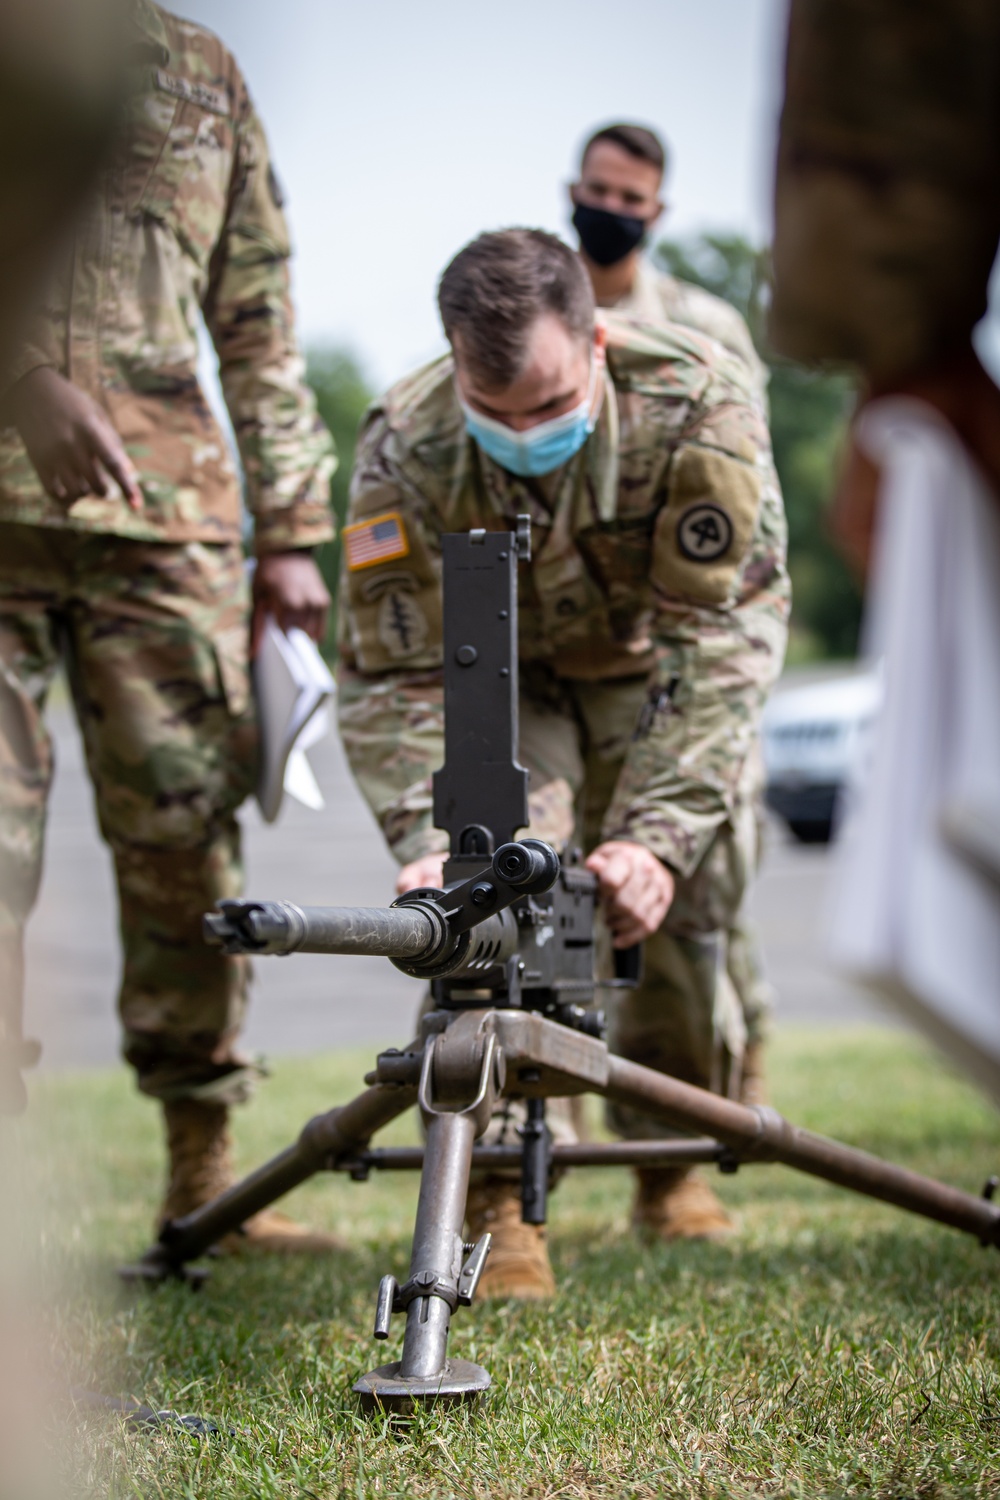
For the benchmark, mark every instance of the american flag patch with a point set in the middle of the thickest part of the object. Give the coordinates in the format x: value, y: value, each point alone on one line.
x: 376, y: 541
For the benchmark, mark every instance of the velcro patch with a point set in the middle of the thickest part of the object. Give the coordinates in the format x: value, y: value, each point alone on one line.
x: 377, y: 540
x: 703, y: 532
x: 203, y: 94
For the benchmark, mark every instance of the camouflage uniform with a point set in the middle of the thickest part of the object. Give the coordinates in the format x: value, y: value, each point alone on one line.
x: 149, y: 609
x: 652, y: 624
x: 656, y: 297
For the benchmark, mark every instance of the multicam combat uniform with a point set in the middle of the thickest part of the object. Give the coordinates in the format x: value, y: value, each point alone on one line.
x: 652, y: 625
x: 149, y: 609
x: 657, y: 297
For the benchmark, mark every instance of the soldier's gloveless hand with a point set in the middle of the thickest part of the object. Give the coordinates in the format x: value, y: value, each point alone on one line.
x: 70, y: 441
x: 636, y: 889
x: 289, y: 586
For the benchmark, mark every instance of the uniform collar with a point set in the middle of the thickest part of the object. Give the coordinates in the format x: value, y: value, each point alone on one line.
x: 601, y: 454
x: 643, y: 301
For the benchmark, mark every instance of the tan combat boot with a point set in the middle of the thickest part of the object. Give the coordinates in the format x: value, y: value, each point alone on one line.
x: 201, y: 1167
x: 753, y: 1079
x: 518, y: 1262
x: 675, y: 1203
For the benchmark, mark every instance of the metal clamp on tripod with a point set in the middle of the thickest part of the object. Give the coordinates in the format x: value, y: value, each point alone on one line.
x: 508, y: 946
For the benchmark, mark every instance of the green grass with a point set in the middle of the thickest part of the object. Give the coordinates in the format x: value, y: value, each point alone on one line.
x: 835, y: 1347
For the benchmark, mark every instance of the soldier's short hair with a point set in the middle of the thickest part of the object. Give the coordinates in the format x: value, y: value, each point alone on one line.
x: 495, y: 290
x: 638, y: 140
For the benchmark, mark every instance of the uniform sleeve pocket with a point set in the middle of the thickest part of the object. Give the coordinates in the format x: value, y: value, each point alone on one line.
x: 704, y: 530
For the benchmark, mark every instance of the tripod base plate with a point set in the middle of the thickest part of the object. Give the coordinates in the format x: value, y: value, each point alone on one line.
x: 385, y: 1389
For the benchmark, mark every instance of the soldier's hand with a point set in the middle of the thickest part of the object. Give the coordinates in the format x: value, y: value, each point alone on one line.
x: 429, y: 870
x: 289, y: 586
x: 636, y: 890
x: 70, y: 441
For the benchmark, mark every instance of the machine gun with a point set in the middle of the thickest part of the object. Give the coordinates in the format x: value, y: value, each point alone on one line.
x: 507, y: 945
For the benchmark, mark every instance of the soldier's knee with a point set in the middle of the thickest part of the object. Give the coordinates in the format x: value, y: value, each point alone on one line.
x: 178, y: 876
x: 192, y: 1065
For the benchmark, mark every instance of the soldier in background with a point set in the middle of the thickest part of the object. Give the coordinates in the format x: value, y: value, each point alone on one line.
x: 121, y: 557
x: 652, y: 624
x: 616, y: 204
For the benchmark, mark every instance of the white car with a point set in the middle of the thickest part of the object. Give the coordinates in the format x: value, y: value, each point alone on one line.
x: 816, y: 736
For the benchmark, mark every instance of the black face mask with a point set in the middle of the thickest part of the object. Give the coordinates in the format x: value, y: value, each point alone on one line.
x: 607, y: 238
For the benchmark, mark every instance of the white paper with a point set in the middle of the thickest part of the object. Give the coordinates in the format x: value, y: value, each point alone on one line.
x: 915, y: 909
x: 293, y: 687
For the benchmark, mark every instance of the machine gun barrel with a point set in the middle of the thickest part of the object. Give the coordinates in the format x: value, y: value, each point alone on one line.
x: 427, y: 933
x: 283, y: 927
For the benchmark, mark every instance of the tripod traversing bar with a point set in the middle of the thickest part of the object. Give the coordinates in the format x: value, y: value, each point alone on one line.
x: 507, y: 944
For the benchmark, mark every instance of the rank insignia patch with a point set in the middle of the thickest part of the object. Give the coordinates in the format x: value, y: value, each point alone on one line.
x: 376, y: 541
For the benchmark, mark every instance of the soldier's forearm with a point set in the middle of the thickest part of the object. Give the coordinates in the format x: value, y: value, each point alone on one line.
x: 287, y: 453
x: 686, y: 764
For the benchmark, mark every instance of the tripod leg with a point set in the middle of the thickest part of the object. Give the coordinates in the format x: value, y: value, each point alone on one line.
x: 437, y: 1242
x: 325, y: 1136
x: 536, y: 1162
x: 438, y: 1281
x: 425, y: 1373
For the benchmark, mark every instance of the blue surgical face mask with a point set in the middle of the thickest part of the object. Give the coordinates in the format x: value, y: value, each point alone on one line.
x: 541, y: 448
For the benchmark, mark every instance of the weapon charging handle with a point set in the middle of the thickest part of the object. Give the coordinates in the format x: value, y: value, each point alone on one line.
x: 531, y: 866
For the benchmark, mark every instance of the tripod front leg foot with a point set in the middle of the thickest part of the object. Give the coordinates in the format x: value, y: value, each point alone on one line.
x: 386, y: 1389
x: 438, y: 1282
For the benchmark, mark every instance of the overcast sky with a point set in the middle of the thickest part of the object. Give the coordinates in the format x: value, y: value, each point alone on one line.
x: 401, y: 128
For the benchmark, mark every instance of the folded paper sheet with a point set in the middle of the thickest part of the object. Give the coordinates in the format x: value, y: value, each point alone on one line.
x: 293, y: 688
x: 916, y: 897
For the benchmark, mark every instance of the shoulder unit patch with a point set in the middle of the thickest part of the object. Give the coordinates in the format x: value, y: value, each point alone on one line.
x: 704, y: 533
x: 377, y: 540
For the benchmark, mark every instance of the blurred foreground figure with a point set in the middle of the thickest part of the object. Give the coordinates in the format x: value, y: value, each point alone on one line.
x: 120, y: 557
x: 61, y: 83
x: 61, y: 65
x: 887, y: 224
x: 652, y: 625
x: 616, y: 205
x: 887, y: 209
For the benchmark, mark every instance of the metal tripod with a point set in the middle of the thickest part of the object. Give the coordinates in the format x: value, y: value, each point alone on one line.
x: 508, y: 946
x: 464, y: 1062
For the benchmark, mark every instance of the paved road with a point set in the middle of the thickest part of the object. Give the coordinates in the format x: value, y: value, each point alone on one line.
x: 334, y: 857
